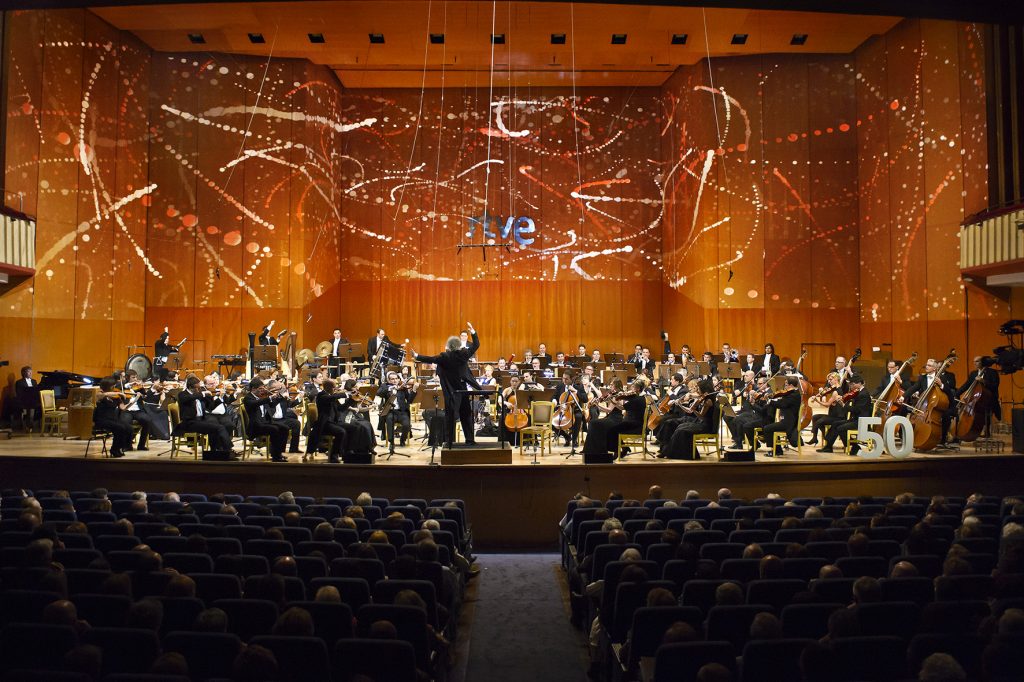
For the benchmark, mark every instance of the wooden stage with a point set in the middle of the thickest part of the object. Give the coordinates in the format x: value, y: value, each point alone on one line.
x: 512, y: 506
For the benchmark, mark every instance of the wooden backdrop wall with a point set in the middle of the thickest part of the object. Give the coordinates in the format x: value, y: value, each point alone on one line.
x: 212, y: 194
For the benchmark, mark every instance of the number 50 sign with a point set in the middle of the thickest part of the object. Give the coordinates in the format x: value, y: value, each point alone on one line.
x: 874, y: 444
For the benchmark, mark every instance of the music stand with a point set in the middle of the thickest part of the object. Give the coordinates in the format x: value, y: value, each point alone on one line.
x: 611, y: 358
x: 431, y: 398
x: 698, y: 369
x: 666, y: 371
x: 778, y: 383
x: 730, y: 370
x: 347, y: 352
x: 623, y: 375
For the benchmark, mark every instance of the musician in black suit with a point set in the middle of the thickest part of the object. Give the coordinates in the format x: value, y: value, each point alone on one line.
x: 570, y: 385
x: 258, y: 404
x: 453, y: 372
x: 328, y: 423
x: 753, y: 414
x: 858, y: 406
x: 750, y: 364
x: 400, y: 395
x: 374, y: 343
x: 109, y: 416
x: 144, y: 409
x: 266, y: 339
x: 677, y: 389
x: 769, y: 363
x: 26, y: 392
x: 947, y: 383
x: 219, y: 405
x: 192, y: 411
x: 542, y: 352
x: 282, y: 411
x: 990, y: 380
x: 644, y: 364
x: 161, y: 351
x: 787, y: 402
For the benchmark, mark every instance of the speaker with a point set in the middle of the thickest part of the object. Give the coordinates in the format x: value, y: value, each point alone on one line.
x: 738, y: 455
x: 358, y: 457
x: 1017, y: 421
x: 599, y: 458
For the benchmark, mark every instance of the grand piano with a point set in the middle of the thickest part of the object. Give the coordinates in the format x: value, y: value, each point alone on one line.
x: 62, y: 382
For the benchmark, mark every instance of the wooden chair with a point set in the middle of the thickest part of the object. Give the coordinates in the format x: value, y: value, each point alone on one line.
x: 257, y: 443
x: 539, y: 432
x: 710, y: 439
x: 53, y: 418
x: 196, y: 442
x: 634, y: 439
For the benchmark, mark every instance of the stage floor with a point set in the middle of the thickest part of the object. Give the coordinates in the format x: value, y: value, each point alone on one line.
x: 35, y: 445
x: 512, y: 506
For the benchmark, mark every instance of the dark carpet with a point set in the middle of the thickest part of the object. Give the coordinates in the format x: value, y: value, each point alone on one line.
x: 521, y: 629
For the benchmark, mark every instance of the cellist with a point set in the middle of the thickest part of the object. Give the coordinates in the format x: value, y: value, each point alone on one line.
x: 990, y: 380
x: 572, y: 393
x: 507, y: 398
x: 947, y: 383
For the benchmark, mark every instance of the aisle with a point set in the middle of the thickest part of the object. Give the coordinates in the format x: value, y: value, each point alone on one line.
x: 520, y: 628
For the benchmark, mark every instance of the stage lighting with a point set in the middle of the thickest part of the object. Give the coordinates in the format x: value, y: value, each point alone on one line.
x: 196, y: 38
x: 376, y: 38
x: 437, y: 39
x: 257, y: 38
x: 618, y: 39
x: 739, y: 39
x: 679, y: 38
x: 798, y: 39
x: 558, y: 39
x: 498, y: 38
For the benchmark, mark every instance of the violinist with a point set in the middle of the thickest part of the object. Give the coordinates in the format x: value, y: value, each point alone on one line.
x: 108, y: 416
x: 399, y: 394
x: 311, y: 388
x: 193, y: 417
x: 572, y: 394
x: 218, y: 404
x: 754, y: 412
x: 353, y: 408
x: 144, y: 409
x: 858, y: 403
x: 591, y: 392
x: 258, y: 404
x: 674, y: 413
x: 947, y: 383
x: 698, y: 418
x: 836, y: 385
x: 328, y: 423
x: 787, y: 402
x: 282, y: 411
x: 603, y: 437
x: 990, y: 380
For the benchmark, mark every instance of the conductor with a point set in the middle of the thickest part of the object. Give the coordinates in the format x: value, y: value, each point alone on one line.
x: 454, y: 375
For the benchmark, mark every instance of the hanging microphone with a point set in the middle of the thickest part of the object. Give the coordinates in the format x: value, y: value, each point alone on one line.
x: 730, y: 275
x: 216, y: 273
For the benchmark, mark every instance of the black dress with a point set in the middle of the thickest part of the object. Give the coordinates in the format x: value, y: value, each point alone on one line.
x: 603, y: 436
x: 704, y: 421
x: 108, y: 416
x: 359, y: 437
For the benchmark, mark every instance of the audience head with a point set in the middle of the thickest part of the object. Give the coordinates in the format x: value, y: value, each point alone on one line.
x: 866, y: 590
x: 254, y: 663
x: 765, y: 626
x: 940, y: 667
x: 294, y: 622
x: 211, y: 620
x: 728, y: 594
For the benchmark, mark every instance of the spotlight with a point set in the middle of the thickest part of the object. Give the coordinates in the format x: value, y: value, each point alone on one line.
x: 558, y: 39
x: 679, y: 38
x: 739, y: 38
x: 798, y: 39
x: 257, y: 38
x: 376, y: 38
x: 316, y: 38
x: 437, y: 39
x: 498, y: 38
x: 618, y: 39
x: 196, y: 38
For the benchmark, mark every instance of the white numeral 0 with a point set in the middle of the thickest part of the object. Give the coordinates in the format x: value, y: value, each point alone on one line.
x: 873, y: 444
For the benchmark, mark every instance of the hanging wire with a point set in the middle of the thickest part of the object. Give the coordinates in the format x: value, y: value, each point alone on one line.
x: 718, y: 129
x: 575, y: 120
x: 440, y: 130
x: 416, y: 128
x: 490, y: 98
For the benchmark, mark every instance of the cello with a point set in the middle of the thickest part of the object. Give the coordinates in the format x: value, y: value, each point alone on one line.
x: 974, y: 407
x: 926, y: 415
x: 890, y: 399
x: 563, y: 418
x: 515, y: 419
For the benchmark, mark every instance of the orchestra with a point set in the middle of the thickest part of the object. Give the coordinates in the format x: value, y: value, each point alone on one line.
x: 596, y: 396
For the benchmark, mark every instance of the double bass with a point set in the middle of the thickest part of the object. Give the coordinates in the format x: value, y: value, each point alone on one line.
x: 805, y: 394
x: 974, y: 407
x: 926, y: 415
x: 890, y: 399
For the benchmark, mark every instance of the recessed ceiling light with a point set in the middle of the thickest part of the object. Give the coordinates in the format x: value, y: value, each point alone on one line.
x: 679, y: 38
x: 618, y: 39
x: 257, y: 38
x: 196, y: 38
x: 739, y: 39
x: 316, y: 38
x: 498, y: 38
x: 558, y: 39
x: 376, y: 38
x: 437, y: 39
x: 798, y: 39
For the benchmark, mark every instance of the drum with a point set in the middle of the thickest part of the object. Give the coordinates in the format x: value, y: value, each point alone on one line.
x: 141, y: 363
x: 393, y: 354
